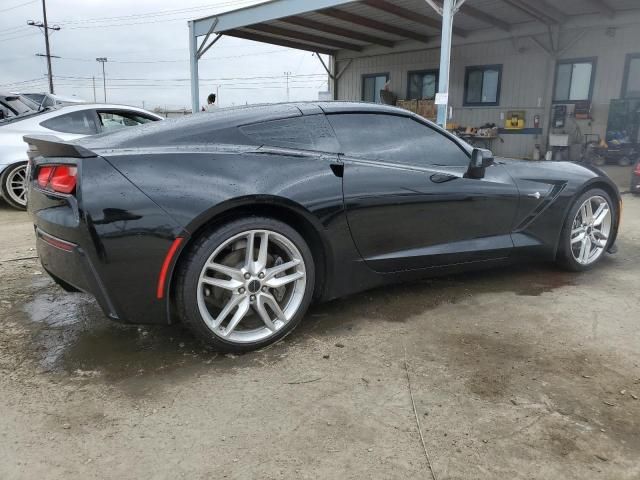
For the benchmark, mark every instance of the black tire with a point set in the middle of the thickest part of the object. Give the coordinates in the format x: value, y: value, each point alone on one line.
x: 189, y: 272
x: 4, y: 187
x: 624, y: 161
x: 565, y: 256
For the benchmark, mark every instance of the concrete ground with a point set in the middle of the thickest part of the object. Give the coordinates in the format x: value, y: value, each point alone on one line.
x: 519, y: 373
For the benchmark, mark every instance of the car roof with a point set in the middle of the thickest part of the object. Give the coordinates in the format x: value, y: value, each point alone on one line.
x: 196, y: 129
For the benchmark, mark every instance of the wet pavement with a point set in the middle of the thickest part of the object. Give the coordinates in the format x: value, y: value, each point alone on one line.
x: 71, y: 335
x: 520, y: 372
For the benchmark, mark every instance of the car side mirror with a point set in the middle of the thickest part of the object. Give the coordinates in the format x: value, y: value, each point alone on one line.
x: 481, y: 158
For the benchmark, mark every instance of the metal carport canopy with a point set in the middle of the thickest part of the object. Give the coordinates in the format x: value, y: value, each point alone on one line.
x: 329, y: 26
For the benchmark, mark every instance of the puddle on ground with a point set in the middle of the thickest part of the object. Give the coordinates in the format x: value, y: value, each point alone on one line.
x: 71, y: 334
x: 397, y: 303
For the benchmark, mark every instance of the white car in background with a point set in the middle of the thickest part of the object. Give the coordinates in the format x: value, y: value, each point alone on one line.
x: 45, y: 100
x: 67, y: 123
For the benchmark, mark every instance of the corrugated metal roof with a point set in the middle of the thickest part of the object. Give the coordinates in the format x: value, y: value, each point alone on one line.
x: 354, y: 25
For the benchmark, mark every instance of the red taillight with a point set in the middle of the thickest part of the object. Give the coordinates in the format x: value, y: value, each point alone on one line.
x: 636, y: 171
x: 59, y: 178
x: 44, y: 173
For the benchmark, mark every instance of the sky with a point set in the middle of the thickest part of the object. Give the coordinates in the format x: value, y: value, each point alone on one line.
x: 146, y: 44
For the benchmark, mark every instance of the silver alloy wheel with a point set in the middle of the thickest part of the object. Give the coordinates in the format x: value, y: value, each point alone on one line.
x: 590, y: 230
x: 251, y: 286
x: 16, y: 184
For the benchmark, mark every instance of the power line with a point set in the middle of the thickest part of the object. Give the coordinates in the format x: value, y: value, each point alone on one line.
x: 213, y: 79
x: 19, y: 36
x: 157, y: 13
x: 12, y: 30
x: 45, y: 28
x: 267, y: 52
x: 18, y: 6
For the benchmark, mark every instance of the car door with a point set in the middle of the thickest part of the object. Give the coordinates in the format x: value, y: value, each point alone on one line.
x: 409, y: 205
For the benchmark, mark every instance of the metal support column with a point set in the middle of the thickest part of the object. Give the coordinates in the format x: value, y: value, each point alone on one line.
x: 448, y: 10
x: 193, y: 64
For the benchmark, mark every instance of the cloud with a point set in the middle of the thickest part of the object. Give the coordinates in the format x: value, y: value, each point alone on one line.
x: 146, y: 43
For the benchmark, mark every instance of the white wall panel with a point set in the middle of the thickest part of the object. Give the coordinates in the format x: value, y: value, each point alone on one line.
x: 527, y: 74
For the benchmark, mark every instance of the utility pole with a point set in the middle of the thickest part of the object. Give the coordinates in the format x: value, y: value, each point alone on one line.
x: 103, y: 60
x: 286, y: 74
x: 93, y: 80
x: 45, y: 28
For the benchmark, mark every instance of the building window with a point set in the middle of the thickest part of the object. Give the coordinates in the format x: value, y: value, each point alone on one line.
x: 482, y: 85
x: 371, y: 86
x: 422, y: 85
x: 631, y: 85
x: 574, y: 80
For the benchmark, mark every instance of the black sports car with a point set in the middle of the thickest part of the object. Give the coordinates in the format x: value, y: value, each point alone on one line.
x: 233, y: 222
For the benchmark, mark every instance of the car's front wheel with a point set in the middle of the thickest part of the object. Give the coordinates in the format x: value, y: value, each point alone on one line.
x: 587, y: 231
x: 13, y: 182
x: 246, y: 284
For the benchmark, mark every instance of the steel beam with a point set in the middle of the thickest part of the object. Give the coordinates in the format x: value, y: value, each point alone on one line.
x: 334, y: 30
x: 193, y: 66
x: 445, y: 58
x: 541, y: 11
x: 305, y: 37
x: 262, y: 12
x: 603, y: 7
x: 484, y: 17
x: 407, y: 14
x: 373, y: 24
x: 256, y: 37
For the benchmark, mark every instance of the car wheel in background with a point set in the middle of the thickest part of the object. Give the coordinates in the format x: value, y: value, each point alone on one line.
x: 587, y: 230
x: 246, y: 284
x: 14, y: 185
x: 624, y: 161
x: 598, y: 160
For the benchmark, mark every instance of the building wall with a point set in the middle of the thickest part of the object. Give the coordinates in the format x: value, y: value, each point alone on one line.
x: 527, y: 79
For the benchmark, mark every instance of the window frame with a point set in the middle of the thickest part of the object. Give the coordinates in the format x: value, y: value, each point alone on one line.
x: 435, y: 71
x: 458, y: 142
x: 90, y: 111
x: 482, y: 68
x: 122, y: 113
x: 625, y: 79
x: 371, y: 75
x: 572, y: 61
x: 249, y: 135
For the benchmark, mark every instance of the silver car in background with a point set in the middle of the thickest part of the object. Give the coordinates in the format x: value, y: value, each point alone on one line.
x: 45, y: 100
x: 19, y: 116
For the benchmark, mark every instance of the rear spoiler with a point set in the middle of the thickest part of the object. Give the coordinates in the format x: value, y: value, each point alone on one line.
x: 52, y: 146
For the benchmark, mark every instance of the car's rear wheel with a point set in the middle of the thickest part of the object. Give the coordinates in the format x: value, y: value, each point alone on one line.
x: 246, y: 284
x: 587, y: 231
x: 14, y: 185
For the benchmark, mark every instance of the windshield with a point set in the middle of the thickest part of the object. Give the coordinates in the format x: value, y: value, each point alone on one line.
x: 18, y: 105
x: 38, y: 98
x: 13, y: 106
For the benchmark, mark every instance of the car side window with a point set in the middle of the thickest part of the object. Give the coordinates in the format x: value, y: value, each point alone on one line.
x: 81, y: 122
x: 395, y: 139
x: 111, y: 120
x: 308, y: 132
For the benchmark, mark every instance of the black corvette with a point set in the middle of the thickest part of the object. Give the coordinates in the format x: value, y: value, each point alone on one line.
x: 234, y: 222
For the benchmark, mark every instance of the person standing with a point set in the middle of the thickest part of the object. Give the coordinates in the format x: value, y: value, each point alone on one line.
x: 211, y: 105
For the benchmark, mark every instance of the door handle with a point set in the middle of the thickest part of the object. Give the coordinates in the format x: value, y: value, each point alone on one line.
x: 442, y: 177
